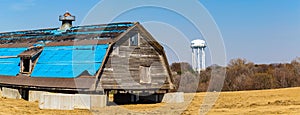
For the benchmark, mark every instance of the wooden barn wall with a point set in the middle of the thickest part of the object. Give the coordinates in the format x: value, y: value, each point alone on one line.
x: 122, y: 69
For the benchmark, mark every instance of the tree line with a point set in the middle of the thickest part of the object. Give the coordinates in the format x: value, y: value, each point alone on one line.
x: 239, y: 74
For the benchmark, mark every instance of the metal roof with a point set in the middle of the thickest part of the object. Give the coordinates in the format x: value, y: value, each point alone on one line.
x: 69, y: 61
x: 66, y: 54
x: 102, y: 31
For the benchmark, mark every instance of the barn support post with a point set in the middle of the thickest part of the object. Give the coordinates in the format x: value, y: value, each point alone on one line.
x: 0, y: 91
x: 107, y: 96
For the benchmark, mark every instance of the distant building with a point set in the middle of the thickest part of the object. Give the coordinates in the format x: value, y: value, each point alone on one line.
x: 92, y: 58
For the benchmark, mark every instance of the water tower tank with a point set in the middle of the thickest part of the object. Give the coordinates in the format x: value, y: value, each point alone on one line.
x: 198, y: 43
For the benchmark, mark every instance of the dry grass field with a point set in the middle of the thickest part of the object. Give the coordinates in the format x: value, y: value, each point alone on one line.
x: 263, y: 102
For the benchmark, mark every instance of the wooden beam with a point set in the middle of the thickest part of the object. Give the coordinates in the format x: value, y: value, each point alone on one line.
x: 102, y: 66
x: 3, y: 57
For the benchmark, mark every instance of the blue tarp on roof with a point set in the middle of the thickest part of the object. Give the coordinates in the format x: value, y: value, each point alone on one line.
x: 69, y: 61
x: 10, y: 66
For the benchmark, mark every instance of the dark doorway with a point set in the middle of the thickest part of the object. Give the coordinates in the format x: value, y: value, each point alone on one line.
x: 26, y: 65
x: 24, y: 93
x: 127, y: 98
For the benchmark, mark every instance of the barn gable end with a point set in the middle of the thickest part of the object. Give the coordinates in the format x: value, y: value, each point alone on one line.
x: 136, y: 61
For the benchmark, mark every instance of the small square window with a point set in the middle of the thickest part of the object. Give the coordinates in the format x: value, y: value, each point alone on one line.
x: 134, y: 40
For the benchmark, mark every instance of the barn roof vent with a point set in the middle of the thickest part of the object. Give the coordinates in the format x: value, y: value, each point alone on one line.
x: 66, y: 20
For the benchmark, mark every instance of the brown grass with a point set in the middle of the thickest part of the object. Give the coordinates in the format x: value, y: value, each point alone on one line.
x: 264, y: 102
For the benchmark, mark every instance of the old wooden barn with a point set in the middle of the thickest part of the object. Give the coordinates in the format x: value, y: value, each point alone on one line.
x: 119, y: 58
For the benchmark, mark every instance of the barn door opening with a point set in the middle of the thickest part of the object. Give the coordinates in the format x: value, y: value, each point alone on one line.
x: 145, y: 76
x: 26, y: 65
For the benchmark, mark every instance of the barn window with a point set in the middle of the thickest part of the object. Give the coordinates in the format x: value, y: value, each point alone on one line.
x: 145, y: 76
x: 25, y: 65
x: 134, y: 40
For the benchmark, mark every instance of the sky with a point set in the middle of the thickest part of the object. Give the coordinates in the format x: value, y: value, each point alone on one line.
x: 261, y: 31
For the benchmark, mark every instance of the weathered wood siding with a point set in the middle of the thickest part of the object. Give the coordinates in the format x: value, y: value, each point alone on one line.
x: 122, y: 69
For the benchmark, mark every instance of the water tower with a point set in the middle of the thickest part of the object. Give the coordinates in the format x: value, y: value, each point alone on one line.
x: 198, y: 54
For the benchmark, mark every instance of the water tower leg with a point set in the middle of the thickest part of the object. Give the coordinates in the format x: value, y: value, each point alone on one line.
x: 193, y: 59
x: 203, y: 59
x: 198, y: 63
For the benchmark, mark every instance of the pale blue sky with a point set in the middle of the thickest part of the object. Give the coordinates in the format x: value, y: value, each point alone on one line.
x: 262, y: 31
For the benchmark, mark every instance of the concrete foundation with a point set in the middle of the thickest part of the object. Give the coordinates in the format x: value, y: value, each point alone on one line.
x: 57, y: 101
x: 11, y: 93
x: 98, y: 101
x: 82, y: 101
x: 177, y: 97
x: 71, y: 101
x: 35, y: 95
